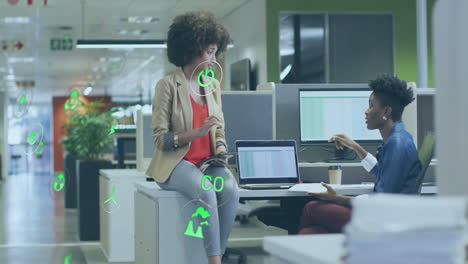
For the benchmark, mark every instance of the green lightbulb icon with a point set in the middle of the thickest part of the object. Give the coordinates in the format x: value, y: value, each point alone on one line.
x: 22, y: 99
x: 205, y: 73
x: 74, y: 97
x: 33, y: 138
x: 59, y: 182
x: 67, y: 259
x: 40, y: 148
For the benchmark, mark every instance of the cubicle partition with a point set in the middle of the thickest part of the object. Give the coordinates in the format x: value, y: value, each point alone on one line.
x: 286, y: 126
x: 145, y: 141
x: 247, y: 115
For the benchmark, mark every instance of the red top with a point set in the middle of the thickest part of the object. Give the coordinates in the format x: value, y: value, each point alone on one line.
x: 200, y: 147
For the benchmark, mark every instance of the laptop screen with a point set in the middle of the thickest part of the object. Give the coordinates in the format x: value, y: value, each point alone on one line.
x: 267, y: 162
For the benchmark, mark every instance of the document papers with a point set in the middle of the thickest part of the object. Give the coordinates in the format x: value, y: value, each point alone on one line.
x: 401, y: 229
x: 317, y: 187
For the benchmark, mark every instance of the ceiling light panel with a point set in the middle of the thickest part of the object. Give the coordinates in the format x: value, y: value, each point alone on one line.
x: 140, y: 19
x: 16, y: 20
x: 21, y: 60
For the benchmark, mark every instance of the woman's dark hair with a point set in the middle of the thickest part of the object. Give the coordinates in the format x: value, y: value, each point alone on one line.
x: 393, y: 92
x: 190, y: 35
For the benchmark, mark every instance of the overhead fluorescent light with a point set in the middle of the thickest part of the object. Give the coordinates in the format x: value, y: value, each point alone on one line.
x: 124, y: 44
x: 135, y: 32
x: 140, y: 19
x: 88, y: 90
x: 285, y: 72
x: 9, y: 77
x: 21, y: 59
x: 120, y: 44
x: 17, y: 20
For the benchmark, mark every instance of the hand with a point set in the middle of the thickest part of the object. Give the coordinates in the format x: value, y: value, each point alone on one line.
x: 209, y: 122
x: 329, y: 195
x: 343, y: 141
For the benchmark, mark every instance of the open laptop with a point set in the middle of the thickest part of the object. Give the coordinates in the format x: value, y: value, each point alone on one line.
x: 267, y: 164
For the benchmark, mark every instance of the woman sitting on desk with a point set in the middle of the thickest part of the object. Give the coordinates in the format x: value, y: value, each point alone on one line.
x: 188, y: 127
x: 396, y: 167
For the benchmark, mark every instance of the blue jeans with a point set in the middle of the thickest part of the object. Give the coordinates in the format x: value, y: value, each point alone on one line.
x: 220, y: 196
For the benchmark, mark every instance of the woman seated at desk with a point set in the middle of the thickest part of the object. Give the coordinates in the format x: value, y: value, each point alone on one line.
x: 188, y: 127
x: 396, y: 167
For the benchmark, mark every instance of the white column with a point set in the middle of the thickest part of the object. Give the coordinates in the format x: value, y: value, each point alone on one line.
x: 421, y: 23
x: 4, y: 133
x: 450, y: 40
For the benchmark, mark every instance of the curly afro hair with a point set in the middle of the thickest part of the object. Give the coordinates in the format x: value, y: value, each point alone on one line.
x: 190, y: 35
x: 393, y: 92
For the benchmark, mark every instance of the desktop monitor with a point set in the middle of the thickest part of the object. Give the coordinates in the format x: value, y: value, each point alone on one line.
x: 326, y: 112
x: 241, y: 76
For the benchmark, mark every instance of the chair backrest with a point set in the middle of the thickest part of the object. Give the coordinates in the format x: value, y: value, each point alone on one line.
x: 425, y: 153
x: 269, y: 86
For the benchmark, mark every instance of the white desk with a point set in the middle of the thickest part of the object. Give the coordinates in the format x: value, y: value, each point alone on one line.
x: 343, y: 164
x: 117, y: 224
x: 311, y: 249
x: 159, y: 222
x: 363, y: 189
x: 270, y: 194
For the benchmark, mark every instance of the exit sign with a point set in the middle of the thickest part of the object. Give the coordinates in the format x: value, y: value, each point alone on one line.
x: 61, y: 44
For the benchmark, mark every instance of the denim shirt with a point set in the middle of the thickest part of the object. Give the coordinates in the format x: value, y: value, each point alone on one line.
x: 398, y: 164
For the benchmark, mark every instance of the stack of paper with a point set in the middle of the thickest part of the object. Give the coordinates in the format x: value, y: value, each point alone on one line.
x: 400, y: 229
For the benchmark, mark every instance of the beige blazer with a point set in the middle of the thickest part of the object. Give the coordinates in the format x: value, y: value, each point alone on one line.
x: 172, y: 112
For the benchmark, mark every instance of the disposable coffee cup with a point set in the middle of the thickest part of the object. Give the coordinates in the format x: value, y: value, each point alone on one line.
x: 334, y: 174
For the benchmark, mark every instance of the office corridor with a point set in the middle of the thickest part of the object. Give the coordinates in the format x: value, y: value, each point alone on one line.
x: 35, y: 227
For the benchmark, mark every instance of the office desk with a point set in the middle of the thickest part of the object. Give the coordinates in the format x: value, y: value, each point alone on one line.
x: 342, y: 164
x: 116, y: 222
x: 311, y: 249
x: 358, y: 190
x: 284, y: 193
x: 160, y: 222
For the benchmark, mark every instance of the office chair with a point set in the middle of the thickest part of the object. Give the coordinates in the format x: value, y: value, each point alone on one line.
x: 232, y: 251
x: 242, y: 257
x: 425, y: 154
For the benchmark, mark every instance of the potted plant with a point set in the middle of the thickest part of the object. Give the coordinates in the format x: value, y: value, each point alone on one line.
x: 89, y: 138
x: 69, y: 167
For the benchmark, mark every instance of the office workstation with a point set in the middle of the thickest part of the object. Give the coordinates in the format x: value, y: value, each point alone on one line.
x: 258, y: 131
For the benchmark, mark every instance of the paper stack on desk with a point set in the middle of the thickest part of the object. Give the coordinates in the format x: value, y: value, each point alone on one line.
x: 401, y: 229
x: 317, y: 187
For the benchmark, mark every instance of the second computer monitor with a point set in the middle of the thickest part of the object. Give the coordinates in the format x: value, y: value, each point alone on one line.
x: 326, y: 112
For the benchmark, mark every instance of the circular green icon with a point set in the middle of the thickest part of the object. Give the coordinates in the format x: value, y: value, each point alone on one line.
x: 33, y: 138
x: 205, y: 73
x: 22, y: 99
x: 74, y: 97
x: 74, y: 93
x: 59, y: 182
